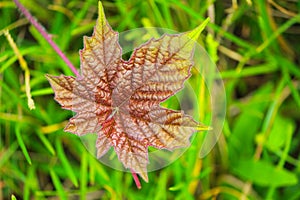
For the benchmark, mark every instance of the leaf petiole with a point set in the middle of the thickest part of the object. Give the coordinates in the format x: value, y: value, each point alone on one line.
x: 136, y: 179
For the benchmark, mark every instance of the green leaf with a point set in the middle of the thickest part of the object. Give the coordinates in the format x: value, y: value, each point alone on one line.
x: 65, y: 163
x: 212, y: 47
x: 22, y: 144
x: 83, y: 174
x: 194, y: 34
x: 281, y: 129
x: 247, y: 125
x: 31, y: 182
x: 59, y: 187
x: 264, y: 174
x: 8, y: 153
x: 46, y: 142
x: 96, y: 168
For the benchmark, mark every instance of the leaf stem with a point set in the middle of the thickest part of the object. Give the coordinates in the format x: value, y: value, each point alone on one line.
x: 136, y: 179
x: 24, y: 66
x: 47, y: 37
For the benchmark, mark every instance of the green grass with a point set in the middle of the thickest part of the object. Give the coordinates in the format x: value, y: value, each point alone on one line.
x: 256, y: 48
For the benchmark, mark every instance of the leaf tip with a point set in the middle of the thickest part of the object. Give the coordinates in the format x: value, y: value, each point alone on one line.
x: 13, y: 197
x: 144, y: 176
x: 48, y: 76
x: 52, y: 79
x: 71, y: 128
x: 202, y: 127
x: 101, y: 15
x: 195, y: 33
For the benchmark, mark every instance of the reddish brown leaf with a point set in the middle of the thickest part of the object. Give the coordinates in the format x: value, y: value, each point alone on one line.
x: 119, y: 100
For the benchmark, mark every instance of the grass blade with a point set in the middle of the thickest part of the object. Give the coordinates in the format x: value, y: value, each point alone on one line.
x: 65, y: 163
x: 57, y: 184
x: 83, y: 175
x: 46, y: 142
x: 22, y: 144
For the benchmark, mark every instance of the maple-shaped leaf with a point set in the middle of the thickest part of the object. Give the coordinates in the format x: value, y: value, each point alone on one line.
x: 120, y: 100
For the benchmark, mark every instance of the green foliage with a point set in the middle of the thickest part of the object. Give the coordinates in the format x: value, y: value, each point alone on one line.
x: 255, y: 45
x: 264, y: 174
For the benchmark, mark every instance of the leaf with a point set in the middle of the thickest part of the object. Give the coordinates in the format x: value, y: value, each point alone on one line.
x: 13, y: 197
x: 57, y: 184
x: 22, y: 144
x: 119, y: 100
x: 264, y: 174
x: 282, y: 128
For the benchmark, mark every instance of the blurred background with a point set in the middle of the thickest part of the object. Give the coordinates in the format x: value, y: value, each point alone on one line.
x: 255, y: 45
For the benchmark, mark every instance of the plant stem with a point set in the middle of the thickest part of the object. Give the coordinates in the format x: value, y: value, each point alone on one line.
x: 136, y: 179
x: 47, y: 37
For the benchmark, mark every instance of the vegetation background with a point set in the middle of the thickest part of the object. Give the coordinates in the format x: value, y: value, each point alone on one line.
x: 256, y: 47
